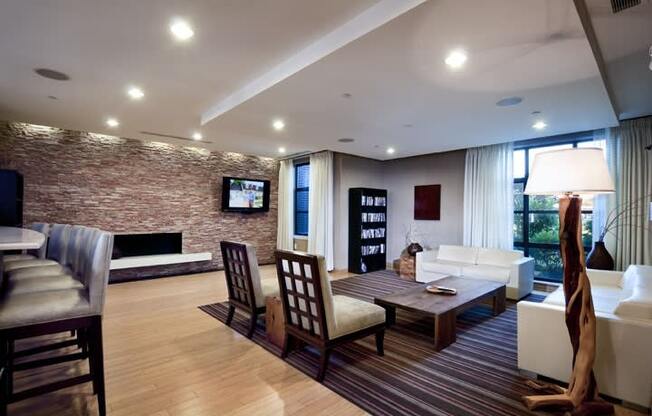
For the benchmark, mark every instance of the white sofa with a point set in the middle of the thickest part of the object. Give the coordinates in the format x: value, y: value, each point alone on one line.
x: 623, y: 305
x: 508, y: 266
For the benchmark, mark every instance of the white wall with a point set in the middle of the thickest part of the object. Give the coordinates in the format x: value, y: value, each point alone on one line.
x: 350, y: 172
x: 399, y: 178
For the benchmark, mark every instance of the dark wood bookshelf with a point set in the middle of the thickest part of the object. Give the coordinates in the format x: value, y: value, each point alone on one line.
x: 367, y: 215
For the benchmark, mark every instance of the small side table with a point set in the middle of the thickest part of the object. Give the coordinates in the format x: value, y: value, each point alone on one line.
x: 274, y: 320
x: 407, y: 267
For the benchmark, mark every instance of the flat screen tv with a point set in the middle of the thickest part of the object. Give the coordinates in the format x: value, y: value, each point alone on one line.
x: 245, y: 195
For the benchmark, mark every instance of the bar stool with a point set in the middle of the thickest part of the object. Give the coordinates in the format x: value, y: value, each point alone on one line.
x: 57, y: 243
x: 33, y: 314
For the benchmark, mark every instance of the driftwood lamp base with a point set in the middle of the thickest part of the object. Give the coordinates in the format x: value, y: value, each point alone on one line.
x: 581, y: 396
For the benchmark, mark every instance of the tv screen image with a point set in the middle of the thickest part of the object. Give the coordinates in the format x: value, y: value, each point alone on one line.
x: 246, y: 194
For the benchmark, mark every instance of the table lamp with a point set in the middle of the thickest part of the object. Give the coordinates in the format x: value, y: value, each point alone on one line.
x: 568, y: 174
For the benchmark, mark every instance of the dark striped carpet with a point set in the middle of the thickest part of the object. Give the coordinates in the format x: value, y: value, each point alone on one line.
x: 476, y: 375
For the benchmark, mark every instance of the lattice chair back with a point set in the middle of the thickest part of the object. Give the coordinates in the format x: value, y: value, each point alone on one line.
x: 238, y: 274
x: 306, y: 294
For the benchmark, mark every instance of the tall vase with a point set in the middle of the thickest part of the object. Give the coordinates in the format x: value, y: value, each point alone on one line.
x: 599, y: 258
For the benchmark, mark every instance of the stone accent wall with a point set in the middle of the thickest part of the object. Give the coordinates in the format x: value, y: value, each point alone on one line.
x: 125, y: 185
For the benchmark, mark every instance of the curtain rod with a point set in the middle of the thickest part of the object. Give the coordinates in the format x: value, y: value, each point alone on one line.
x: 299, y: 155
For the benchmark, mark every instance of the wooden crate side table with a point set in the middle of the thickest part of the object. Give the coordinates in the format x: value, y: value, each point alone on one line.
x: 274, y: 320
x: 407, y: 267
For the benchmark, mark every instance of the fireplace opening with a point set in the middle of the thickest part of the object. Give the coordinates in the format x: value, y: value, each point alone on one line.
x: 146, y: 244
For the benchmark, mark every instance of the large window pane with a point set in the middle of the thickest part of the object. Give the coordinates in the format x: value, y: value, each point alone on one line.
x: 301, y: 223
x: 302, y: 176
x: 519, y: 164
x: 543, y: 203
x: 518, y: 196
x: 302, y: 201
x: 518, y: 228
x: 547, y: 263
x: 543, y: 228
x: 587, y: 230
x: 535, y: 151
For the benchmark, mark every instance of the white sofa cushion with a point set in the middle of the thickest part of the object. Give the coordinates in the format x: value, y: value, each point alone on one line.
x: 485, y: 272
x: 636, y: 296
x: 451, y: 268
x: 605, y: 298
x: 459, y: 254
x: 500, y: 258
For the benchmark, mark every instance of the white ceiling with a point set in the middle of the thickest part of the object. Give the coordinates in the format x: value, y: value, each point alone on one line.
x: 625, y: 39
x: 535, y: 49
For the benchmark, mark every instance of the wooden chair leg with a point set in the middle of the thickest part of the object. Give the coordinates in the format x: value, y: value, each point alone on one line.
x: 97, y: 358
x: 323, y: 364
x: 4, y: 390
x: 252, y: 325
x: 229, y: 316
x: 380, y: 340
x: 9, y: 367
x: 285, y: 349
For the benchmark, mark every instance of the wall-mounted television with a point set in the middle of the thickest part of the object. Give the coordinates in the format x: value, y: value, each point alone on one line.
x: 245, y: 195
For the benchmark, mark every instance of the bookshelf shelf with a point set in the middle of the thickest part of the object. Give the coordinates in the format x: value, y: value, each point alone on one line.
x: 367, y: 230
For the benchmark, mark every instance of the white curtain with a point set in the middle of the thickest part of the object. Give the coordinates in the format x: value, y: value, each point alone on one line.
x: 320, y: 206
x: 630, y: 242
x: 600, y: 201
x: 489, y: 197
x: 285, y: 227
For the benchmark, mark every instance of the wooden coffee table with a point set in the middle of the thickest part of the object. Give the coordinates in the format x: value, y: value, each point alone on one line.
x: 444, y: 308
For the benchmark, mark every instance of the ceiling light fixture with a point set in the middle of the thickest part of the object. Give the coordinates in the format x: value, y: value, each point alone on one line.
x: 52, y: 74
x: 135, y: 93
x: 539, y: 125
x: 197, y: 136
x: 281, y: 150
x: 346, y: 140
x: 456, y: 59
x: 390, y: 150
x: 509, y: 101
x: 278, y: 125
x: 181, y: 30
x: 112, y: 122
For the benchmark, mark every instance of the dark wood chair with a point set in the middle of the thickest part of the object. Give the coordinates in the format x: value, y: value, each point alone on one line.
x: 247, y: 291
x: 317, y: 317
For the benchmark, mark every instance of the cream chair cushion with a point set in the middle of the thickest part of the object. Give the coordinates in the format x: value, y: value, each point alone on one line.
x: 344, y: 314
x: 353, y: 315
x: 18, y: 257
x: 56, y: 282
x: 10, y: 266
x: 262, y: 288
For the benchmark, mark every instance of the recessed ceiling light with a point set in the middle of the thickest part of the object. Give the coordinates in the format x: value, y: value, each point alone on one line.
x: 181, y: 30
x: 456, y: 59
x: 347, y: 95
x: 52, y: 97
x: 52, y: 74
x: 346, y: 140
x: 278, y: 125
x: 408, y: 125
x: 390, y: 150
x: 509, y: 101
x: 197, y: 136
x: 135, y: 93
x: 539, y: 125
x: 281, y: 149
x: 112, y: 122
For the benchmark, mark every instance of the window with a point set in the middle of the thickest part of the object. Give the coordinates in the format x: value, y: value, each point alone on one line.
x: 301, y: 191
x: 536, y: 217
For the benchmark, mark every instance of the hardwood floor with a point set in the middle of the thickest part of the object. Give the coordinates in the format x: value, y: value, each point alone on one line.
x: 164, y: 357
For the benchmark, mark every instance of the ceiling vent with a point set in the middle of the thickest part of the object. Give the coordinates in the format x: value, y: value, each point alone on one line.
x: 620, y: 5
x: 171, y: 136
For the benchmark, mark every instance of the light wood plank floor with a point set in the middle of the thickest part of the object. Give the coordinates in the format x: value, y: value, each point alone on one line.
x: 164, y: 357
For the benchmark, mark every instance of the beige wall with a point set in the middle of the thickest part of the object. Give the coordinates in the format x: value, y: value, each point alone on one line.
x: 350, y: 172
x: 399, y: 178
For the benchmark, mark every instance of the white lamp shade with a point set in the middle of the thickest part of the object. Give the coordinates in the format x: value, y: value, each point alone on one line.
x: 574, y: 171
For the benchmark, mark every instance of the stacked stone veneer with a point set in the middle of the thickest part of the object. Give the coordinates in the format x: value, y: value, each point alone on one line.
x: 125, y: 185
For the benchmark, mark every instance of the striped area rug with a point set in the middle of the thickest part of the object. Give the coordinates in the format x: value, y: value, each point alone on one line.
x: 476, y: 375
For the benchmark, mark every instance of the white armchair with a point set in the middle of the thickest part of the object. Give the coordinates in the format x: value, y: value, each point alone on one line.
x: 623, y: 308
